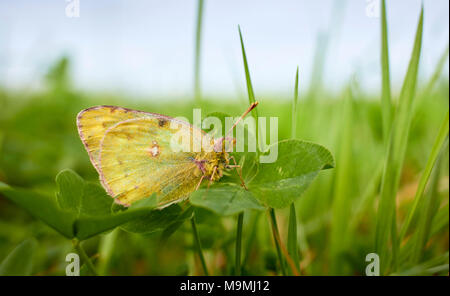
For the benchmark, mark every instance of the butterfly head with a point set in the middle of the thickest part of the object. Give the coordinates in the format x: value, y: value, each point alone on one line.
x: 212, y: 164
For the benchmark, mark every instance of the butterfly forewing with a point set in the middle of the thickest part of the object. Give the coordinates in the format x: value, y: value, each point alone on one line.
x: 138, y: 153
x: 93, y: 123
x: 139, y: 157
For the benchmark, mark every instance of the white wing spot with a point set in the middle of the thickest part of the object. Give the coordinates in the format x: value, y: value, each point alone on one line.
x: 154, y: 150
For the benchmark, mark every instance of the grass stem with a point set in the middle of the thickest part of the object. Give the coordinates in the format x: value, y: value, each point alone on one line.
x: 386, y: 105
x: 292, y: 238
x: 197, y: 57
x: 395, y: 156
x: 438, y: 143
x: 251, y: 94
x: 252, y: 237
x: 292, y: 233
x: 240, y: 223
x: 276, y: 238
x: 79, y: 248
x: 198, y: 245
x: 294, y: 108
x: 106, y: 249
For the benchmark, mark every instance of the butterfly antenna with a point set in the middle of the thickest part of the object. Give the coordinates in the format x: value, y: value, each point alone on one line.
x: 252, y: 106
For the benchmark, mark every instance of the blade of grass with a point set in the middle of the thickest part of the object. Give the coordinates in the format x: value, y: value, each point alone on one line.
x: 439, y: 225
x: 386, y: 105
x: 20, y: 261
x: 252, y: 237
x: 240, y: 223
x: 292, y: 243
x: 428, y: 211
x: 106, y: 249
x: 198, y: 245
x: 341, y: 201
x: 322, y: 47
x: 251, y: 94
x: 79, y: 248
x: 276, y: 238
x: 440, y: 221
x: 437, y: 72
x: 431, y: 267
x: 1, y: 141
x: 437, y: 146
x: 427, y: 92
x: 396, y: 150
x: 279, y: 243
x: 197, y: 57
x: 294, y: 108
x: 251, y: 97
x: 393, y: 257
x: 368, y: 197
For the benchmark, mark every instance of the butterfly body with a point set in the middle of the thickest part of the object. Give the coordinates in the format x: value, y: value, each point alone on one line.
x: 212, y: 164
x: 136, y: 155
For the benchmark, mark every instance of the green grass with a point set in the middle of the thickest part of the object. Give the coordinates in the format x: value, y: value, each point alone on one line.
x: 197, y: 56
x: 342, y: 182
x: 292, y: 240
x: 396, y: 148
x: 386, y: 77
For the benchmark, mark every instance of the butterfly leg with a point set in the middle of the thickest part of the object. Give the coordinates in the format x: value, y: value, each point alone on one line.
x: 212, y: 176
x: 239, y: 171
x: 200, y: 182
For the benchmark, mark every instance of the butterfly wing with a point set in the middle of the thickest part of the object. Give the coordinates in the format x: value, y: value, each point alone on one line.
x: 142, y: 156
x: 93, y: 123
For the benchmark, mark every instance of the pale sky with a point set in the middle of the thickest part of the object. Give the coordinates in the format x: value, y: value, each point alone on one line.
x: 146, y: 47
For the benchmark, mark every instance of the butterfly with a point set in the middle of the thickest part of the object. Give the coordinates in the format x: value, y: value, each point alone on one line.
x: 138, y: 154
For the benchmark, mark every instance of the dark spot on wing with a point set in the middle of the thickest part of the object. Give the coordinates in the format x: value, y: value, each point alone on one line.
x: 162, y: 122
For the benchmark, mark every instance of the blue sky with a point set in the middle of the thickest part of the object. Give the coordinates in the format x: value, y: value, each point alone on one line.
x: 146, y: 47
